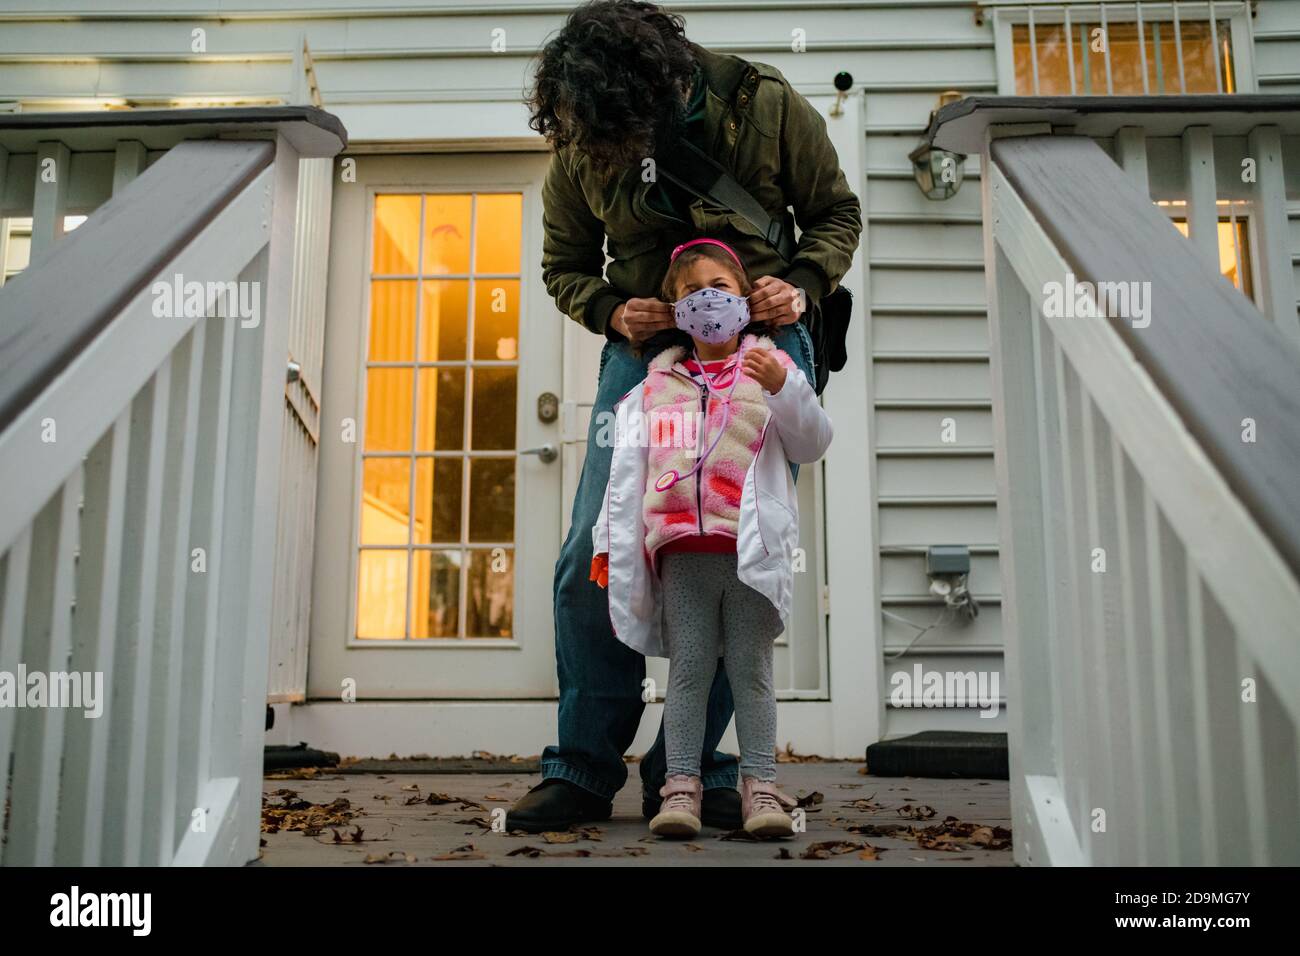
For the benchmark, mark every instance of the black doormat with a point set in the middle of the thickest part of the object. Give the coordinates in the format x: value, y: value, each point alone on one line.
x: 940, y: 753
x: 278, y: 757
x: 474, y: 764
x: 299, y: 757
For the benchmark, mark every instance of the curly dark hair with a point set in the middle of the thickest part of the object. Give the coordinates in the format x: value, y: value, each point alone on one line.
x: 613, y: 81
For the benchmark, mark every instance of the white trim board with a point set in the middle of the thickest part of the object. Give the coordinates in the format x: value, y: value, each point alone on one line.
x: 458, y: 728
x: 499, y: 125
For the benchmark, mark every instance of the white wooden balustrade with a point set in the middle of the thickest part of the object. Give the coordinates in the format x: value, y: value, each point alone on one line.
x: 140, y: 457
x: 1146, y: 465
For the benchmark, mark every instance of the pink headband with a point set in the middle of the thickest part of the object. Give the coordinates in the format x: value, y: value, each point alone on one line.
x: 713, y: 242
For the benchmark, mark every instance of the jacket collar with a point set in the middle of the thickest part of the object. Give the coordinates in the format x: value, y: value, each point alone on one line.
x: 671, y: 359
x: 723, y: 73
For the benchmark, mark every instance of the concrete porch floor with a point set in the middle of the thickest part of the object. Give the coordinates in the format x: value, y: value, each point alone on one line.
x: 401, y: 827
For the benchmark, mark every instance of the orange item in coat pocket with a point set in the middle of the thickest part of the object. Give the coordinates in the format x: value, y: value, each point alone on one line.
x: 600, y: 569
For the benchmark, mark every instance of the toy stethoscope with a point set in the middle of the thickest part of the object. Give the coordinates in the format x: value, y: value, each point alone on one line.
x: 671, y: 477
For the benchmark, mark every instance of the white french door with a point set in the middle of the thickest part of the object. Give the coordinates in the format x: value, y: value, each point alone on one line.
x: 439, y: 502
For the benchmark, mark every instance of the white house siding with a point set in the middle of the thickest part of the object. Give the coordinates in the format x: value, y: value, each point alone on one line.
x: 1277, y: 65
x: 425, y: 64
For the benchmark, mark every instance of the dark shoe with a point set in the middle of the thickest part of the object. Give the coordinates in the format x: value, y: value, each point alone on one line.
x: 720, y: 808
x: 556, y: 804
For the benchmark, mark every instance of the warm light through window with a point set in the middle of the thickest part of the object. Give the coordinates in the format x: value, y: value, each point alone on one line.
x: 437, y: 517
x: 1234, y: 251
x: 1159, y: 49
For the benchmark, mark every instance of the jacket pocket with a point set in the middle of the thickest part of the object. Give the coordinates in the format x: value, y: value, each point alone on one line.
x: 778, y: 528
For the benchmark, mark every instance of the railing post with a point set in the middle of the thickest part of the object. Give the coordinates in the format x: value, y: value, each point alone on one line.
x: 1026, y: 625
x: 252, y: 491
x: 1202, y: 195
x: 53, y: 170
x: 1131, y: 154
x: 4, y: 223
x: 46, y: 643
x: 85, y: 771
x: 1268, y: 194
x: 128, y: 163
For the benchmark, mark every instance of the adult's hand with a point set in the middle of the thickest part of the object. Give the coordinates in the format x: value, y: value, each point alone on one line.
x: 638, y: 319
x: 775, y: 300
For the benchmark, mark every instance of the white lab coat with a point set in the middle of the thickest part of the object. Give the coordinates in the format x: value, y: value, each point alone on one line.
x: 797, y: 429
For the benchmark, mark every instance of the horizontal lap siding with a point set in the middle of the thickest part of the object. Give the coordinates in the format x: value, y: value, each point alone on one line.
x: 930, y: 365
x: 1276, y: 30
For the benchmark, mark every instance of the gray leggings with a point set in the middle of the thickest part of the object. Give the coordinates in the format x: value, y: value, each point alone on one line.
x: 709, y: 613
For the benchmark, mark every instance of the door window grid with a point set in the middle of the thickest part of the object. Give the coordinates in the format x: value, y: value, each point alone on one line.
x: 1051, y: 46
x: 1235, y: 257
x: 481, y: 562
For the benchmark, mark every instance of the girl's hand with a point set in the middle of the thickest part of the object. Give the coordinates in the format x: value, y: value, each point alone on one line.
x: 638, y: 319
x: 760, y: 365
x: 775, y: 300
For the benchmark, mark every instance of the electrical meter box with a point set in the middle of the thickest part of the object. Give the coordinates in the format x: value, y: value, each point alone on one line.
x: 947, y: 559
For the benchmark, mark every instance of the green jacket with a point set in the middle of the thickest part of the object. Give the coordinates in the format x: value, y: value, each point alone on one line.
x: 771, y: 139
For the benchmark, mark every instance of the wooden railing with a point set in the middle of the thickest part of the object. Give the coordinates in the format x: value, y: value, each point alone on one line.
x: 1147, y: 463
x: 140, y: 449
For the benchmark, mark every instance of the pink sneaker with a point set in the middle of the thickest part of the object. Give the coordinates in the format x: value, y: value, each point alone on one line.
x: 679, y: 815
x: 763, y: 808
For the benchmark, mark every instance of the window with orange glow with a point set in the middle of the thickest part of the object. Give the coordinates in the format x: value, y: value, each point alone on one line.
x: 1181, y: 60
x: 437, y: 513
x: 1234, y: 250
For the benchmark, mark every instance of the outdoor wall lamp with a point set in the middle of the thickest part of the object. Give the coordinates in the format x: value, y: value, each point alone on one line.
x: 938, y: 172
x: 843, y: 83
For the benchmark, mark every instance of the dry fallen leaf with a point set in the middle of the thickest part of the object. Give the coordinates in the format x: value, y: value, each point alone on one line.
x: 393, y: 856
x: 309, y: 818
x: 829, y: 848
x: 466, y: 852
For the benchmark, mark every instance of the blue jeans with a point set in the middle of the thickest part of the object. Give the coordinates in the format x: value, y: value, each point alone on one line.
x: 600, y: 676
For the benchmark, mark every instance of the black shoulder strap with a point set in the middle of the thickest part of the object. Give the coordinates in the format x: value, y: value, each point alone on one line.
x: 702, y: 176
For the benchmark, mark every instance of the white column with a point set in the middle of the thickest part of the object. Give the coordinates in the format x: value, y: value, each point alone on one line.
x: 53, y: 170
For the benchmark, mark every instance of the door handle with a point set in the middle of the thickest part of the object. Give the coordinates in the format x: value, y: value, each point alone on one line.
x: 546, y: 453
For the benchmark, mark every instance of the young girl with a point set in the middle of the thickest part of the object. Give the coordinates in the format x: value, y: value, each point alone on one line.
x: 700, y: 519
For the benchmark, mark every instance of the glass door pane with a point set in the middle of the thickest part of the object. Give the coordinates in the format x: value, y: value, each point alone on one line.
x: 439, y: 450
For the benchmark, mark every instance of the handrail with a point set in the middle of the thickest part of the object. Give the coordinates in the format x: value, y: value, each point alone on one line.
x: 961, y: 126
x: 47, y: 318
x: 312, y: 132
x: 1215, y: 358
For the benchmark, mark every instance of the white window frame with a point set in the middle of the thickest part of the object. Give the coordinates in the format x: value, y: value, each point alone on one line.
x: 1009, y: 13
x: 1240, y: 210
x: 465, y: 454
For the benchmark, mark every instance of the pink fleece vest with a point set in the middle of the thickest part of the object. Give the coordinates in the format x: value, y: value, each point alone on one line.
x: 707, y: 502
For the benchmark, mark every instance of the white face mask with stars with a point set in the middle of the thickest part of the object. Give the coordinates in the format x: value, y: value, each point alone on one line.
x: 712, y: 315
